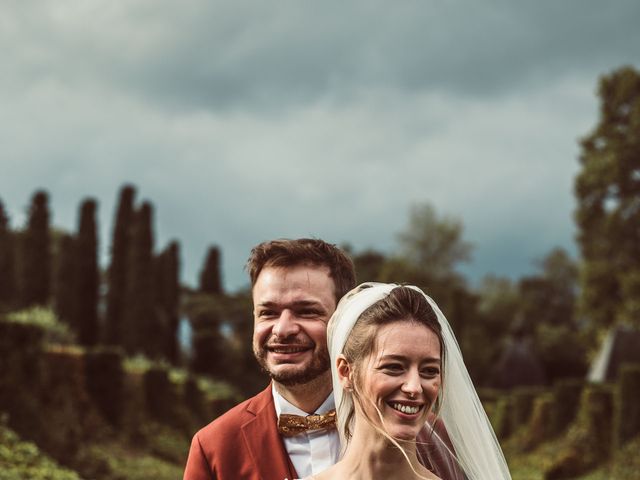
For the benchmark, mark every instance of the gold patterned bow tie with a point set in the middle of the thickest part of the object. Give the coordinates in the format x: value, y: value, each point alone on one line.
x: 291, y: 425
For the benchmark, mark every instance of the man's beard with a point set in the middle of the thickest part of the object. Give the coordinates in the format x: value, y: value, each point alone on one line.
x: 320, y: 364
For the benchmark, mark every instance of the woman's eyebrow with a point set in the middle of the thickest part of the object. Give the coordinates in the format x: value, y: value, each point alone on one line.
x: 402, y: 358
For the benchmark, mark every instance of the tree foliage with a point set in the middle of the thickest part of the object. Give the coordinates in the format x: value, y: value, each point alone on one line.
x: 433, y: 243
x: 608, y: 213
x: 64, y: 293
x: 36, y: 252
x: 547, y: 315
x: 7, y: 260
x: 117, y: 275
x: 168, y: 297
x: 210, y: 277
x: 86, y: 278
x: 143, y: 332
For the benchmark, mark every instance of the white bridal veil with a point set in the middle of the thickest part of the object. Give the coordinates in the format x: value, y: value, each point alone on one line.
x: 475, y: 446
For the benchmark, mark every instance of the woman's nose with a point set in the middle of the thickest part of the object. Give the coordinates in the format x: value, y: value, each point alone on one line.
x: 412, y: 385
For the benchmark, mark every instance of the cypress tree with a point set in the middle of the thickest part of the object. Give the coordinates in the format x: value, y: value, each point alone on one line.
x: 208, y: 344
x: 117, y: 275
x: 142, y: 327
x: 169, y: 290
x: 7, y: 260
x: 87, y: 275
x: 64, y: 292
x: 37, y: 252
x: 210, y: 279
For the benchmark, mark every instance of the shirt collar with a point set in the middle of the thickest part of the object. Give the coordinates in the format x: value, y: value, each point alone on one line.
x: 283, y: 406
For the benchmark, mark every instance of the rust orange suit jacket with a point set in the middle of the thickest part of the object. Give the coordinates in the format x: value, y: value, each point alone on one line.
x: 244, y: 444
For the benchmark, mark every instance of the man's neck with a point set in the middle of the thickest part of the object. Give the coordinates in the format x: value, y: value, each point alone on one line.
x: 307, y: 396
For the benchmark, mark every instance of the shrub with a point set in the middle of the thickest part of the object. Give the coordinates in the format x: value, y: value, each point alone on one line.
x: 23, y: 460
x: 20, y: 364
x: 567, y: 399
x: 522, y: 405
x: 501, y: 420
x: 104, y: 377
x: 589, y: 439
x: 627, y: 415
x: 539, y: 428
x: 159, y: 394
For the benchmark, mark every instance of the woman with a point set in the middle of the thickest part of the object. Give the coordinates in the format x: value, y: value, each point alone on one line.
x: 397, y: 373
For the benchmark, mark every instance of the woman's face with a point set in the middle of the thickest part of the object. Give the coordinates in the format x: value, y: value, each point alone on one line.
x: 402, y: 377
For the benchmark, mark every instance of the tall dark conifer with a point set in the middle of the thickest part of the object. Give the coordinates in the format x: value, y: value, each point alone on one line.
x: 168, y: 291
x: 64, y: 297
x: 210, y: 278
x: 143, y: 331
x: 87, y: 275
x: 117, y: 276
x: 7, y: 260
x: 36, y: 262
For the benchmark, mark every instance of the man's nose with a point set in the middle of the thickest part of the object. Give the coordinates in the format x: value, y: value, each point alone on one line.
x: 286, y: 325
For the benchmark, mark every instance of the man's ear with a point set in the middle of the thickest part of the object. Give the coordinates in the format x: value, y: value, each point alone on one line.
x: 345, y: 372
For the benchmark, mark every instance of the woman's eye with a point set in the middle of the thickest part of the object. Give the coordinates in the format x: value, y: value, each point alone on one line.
x: 431, y: 372
x: 392, y: 367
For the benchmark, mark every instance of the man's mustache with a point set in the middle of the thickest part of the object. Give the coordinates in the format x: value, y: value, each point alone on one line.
x: 288, y: 343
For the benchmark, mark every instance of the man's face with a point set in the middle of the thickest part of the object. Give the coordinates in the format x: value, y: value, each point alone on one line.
x: 291, y: 308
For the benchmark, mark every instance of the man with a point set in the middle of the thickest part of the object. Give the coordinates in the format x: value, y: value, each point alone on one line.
x: 296, y: 285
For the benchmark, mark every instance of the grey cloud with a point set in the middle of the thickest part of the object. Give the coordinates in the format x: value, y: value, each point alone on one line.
x: 221, y: 55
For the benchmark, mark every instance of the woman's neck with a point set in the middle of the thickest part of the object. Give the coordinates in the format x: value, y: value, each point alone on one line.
x: 371, y: 455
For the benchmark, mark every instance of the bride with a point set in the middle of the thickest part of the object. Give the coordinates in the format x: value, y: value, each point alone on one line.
x: 398, y: 376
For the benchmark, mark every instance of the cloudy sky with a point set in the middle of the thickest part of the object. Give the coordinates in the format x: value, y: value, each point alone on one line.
x: 249, y: 120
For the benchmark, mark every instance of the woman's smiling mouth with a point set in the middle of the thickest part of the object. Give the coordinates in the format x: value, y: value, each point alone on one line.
x: 405, y: 408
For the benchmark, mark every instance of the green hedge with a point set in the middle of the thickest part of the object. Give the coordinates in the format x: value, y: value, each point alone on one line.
x: 20, y: 364
x: 588, y: 441
x: 540, y: 426
x: 104, y: 378
x: 159, y: 394
x: 627, y: 398
x: 522, y: 405
x: 20, y: 460
x: 567, y: 400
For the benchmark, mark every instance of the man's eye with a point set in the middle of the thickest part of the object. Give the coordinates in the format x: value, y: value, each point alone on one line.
x: 266, y: 313
x: 308, y: 313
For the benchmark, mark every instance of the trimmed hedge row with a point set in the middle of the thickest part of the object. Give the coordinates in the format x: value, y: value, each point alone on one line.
x: 66, y: 399
x: 599, y: 420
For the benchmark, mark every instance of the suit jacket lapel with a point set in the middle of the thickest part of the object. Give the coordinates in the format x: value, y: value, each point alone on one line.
x: 263, y: 441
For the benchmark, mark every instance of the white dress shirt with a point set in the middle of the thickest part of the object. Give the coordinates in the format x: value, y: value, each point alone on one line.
x: 314, y: 451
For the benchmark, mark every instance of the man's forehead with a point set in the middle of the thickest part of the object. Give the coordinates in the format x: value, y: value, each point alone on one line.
x: 296, y: 276
x: 301, y: 283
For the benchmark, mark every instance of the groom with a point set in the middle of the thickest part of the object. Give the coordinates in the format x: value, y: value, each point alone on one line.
x: 296, y: 285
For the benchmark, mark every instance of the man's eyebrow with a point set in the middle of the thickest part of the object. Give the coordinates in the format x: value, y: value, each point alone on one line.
x: 298, y: 303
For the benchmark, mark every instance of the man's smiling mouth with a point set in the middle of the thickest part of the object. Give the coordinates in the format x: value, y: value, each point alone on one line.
x: 288, y: 349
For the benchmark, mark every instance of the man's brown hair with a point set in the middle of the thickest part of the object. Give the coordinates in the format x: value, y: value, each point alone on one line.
x: 304, y: 251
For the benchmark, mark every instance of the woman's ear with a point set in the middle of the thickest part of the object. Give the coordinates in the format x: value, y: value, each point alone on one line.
x: 345, y: 372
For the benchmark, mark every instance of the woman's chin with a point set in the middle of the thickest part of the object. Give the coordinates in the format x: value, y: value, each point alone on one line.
x: 404, y: 435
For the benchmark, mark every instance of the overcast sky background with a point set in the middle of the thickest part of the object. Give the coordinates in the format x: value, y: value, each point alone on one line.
x: 251, y: 120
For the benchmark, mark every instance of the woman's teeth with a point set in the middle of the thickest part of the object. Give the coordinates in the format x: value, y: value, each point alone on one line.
x: 405, y: 408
